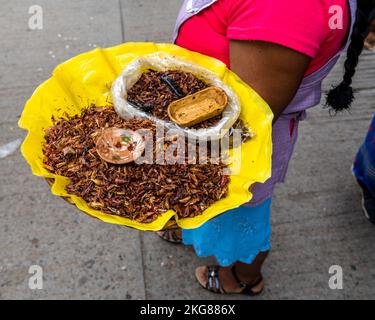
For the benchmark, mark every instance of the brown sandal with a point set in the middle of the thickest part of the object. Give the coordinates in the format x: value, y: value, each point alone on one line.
x: 170, y: 236
x: 214, y: 285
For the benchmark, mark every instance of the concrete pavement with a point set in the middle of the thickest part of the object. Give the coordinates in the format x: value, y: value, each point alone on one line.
x: 317, y: 220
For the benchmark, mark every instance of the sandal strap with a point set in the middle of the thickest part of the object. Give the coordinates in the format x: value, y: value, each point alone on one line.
x: 213, y: 278
x: 246, y: 288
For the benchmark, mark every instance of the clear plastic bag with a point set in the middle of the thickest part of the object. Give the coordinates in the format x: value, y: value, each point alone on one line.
x: 162, y: 62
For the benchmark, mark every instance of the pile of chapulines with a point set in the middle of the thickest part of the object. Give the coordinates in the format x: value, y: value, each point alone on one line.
x: 156, y: 90
x: 140, y: 192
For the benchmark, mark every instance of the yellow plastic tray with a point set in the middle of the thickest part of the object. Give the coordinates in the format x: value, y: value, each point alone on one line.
x: 87, y: 79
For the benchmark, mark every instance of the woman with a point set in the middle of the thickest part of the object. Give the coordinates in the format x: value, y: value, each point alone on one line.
x: 283, y: 49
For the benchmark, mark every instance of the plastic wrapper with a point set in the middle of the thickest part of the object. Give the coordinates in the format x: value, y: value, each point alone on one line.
x: 161, y: 61
x: 87, y: 79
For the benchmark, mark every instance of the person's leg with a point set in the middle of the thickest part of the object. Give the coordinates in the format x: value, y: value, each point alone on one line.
x: 247, y: 273
x: 363, y: 170
x: 242, y: 234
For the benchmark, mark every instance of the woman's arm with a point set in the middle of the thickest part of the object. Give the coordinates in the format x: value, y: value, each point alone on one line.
x: 274, y: 71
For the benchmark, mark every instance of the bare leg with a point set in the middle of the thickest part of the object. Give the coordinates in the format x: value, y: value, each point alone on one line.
x: 250, y: 272
x: 247, y: 273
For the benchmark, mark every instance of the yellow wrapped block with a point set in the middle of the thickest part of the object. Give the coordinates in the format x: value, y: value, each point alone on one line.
x: 87, y: 79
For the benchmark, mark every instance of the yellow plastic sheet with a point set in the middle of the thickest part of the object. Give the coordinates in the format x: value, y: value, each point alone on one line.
x: 87, y: 79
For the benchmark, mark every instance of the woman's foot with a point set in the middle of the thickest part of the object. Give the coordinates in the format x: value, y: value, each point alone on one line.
x: 226, y: 280
x: 173, y: 236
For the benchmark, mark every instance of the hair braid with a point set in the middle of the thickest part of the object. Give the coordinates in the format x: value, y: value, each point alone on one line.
x: 340, y: 98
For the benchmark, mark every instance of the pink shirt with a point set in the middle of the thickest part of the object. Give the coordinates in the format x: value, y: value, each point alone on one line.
x: 302, y: 25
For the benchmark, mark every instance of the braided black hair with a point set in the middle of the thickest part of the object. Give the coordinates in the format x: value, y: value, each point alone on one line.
x: 340, y: 98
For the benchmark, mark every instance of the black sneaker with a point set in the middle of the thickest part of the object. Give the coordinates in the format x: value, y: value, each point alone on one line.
x: 368, y: 204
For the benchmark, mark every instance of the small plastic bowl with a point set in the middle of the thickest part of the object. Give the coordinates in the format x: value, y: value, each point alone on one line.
x: 119, y: 146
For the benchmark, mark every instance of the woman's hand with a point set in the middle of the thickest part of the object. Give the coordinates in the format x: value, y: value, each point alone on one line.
x: 273, y: 71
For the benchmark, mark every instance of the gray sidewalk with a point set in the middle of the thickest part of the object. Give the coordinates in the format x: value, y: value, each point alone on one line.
x: 317, y: 219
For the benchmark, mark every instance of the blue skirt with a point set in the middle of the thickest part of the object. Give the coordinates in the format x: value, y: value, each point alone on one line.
x: 236, y: 235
